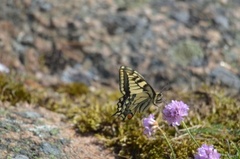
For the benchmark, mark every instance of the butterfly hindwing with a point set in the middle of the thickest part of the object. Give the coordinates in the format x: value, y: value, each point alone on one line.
x: 123, y: 106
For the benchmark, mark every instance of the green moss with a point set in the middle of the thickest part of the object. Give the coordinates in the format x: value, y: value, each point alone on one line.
x: 12, y: 90
x: 73, y: 89
x: 219, y: 124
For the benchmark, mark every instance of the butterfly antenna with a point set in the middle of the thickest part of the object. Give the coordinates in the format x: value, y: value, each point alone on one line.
x: 164, y: 101
x: 166, y: 87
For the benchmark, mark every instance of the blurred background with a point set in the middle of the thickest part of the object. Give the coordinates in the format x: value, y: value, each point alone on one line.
x: 65, y: 56
x: 184, y: 43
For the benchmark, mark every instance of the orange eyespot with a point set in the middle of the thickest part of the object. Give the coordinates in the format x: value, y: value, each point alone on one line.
x: 129, y: 116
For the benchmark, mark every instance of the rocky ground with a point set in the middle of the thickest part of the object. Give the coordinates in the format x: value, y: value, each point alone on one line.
x: 182, y: 43
x: 29, y: 131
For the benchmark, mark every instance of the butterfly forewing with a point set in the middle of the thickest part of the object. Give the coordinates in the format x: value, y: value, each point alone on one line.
x: 128, y: 80
x: 137, y: 93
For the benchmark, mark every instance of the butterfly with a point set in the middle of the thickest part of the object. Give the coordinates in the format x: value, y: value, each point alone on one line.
x: 138, y: 95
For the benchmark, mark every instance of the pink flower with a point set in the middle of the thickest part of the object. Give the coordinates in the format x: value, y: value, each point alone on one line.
x: 207, y: 152
x: 174, y: 112
x: 150, y: 125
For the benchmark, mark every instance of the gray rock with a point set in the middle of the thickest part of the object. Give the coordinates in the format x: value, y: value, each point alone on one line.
x: 18, y: 47
x: 181, y: 16
x: 120, y: 23
x: 27, y: 39
x: 44, y: 131
x: 31, y: 115
x: 225, y: 77
x: 45, y: 6
x: 50, y: 149
x: 42, y: 5
x: 20, y: 157
x: 10, y: 125
x: 77, y: 74
x: 222, y: 21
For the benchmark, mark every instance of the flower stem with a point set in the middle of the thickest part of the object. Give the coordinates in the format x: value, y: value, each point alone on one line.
x: 185, y: 126
x: 169, y: 144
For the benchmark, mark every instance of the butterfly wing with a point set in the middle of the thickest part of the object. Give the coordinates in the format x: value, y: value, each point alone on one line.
x: 137, y: 93
x: 131, y: 82
x: 123, y: 110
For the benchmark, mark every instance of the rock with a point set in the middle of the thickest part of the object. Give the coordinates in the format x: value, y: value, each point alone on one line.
x: 32, y: 115
x: 223, y: 76
x: 222, y: 21
x: 232, y: 57
x: 187, y: 53
x: 214, y: 37
x: 44, y: 131
x: 120, y: 23
x: 18, y: 47
x: 77, y: 74
x: 182, y: 16
x: 50, y: 149
x: 31, y: 60
x: 20, y: 157
x: 43, y: 45
x: 45, y: 7
x: 26, y: 39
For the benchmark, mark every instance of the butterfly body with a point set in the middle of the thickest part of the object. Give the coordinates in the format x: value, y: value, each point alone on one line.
x: 138, y: 95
